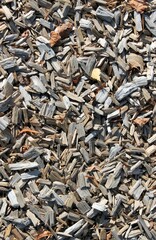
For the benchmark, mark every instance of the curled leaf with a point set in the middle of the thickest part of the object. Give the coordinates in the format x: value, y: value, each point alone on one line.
x: 60, y: 32
x: 135, y: 61
x: 139, y: 5
x: 141, y: 121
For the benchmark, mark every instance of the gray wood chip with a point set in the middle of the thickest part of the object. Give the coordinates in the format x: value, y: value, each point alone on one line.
x: 4, y: 122
x: 125, y: 91
x: 24, y: 165
x: 104, y: 14
x: 13, y: 199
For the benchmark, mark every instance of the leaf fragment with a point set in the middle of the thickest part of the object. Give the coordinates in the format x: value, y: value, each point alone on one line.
x: 141, y: 121
x: 64, y: 29
x: 60, y: 32
x: 135, y: 61
x: 96, y: 74
x: 54, y: 38
x: 139, y: 5
x: 43, y: 235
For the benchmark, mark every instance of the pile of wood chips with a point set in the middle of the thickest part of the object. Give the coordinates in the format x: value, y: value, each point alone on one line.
x: 77, y: 120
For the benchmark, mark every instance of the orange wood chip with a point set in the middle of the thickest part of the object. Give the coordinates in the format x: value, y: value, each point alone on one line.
x: 47, y: 234
x: 28, y: 130
x: 141, y: 121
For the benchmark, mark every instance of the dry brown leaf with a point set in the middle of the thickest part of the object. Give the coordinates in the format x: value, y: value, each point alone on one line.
x: 141, y: 121
x: 54, y: 38
x: 28, y: 130
x: 60, y: 32
x: 47, y: 234
x: 64, y: 29
x: 135, y: 61
x: 139, y: 5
